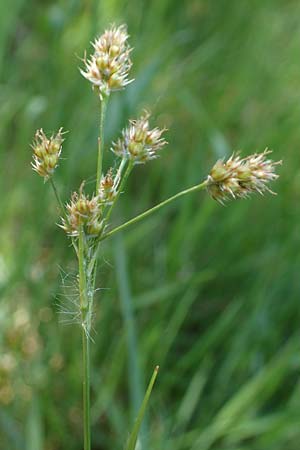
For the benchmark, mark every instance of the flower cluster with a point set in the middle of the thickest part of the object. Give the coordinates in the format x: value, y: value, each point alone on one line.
x: 237, y: 178
x: 108, y: 188
x: 109, y: 65
x: 82, y: 213
x: 46, y: 153
x: 138, y: 142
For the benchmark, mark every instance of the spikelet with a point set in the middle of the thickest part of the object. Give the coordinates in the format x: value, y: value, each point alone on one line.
x: 138, y: 142
x: 238, y: 177
x: 108, y: 67
x: 108, y: 188
x: 46, y: 153
x: 82, y: 213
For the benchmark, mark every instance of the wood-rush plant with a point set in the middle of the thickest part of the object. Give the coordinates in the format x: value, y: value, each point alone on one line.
x: 86, y: 219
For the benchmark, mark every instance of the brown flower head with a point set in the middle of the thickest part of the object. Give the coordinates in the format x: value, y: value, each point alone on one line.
x: 238, y: 177
x: 82, y: 213
x: 138, y: 142
x: 46, y: 153
x: 108, y: 67
x: 108, y: 188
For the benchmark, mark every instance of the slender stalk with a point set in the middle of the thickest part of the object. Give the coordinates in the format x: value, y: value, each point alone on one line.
x: 122, y: 185
x: 82, y: 274
x: 101, y: 141
x: 136, y: 219
x: 56, y: 193
x: 119, y: 173
x: 86, y: 390
x: 84, y: 308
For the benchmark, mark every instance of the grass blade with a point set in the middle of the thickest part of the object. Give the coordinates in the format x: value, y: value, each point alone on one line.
x: 135, y: 432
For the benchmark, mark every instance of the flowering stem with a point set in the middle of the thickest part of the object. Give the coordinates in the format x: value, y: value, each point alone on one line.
x: 136, y: 219
x: 101, y: 141
x: 84, y: 308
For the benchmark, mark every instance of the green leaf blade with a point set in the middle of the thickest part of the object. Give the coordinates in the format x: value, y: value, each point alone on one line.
x: 132, y: 440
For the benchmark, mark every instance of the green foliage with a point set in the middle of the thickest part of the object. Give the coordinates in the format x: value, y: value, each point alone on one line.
x: 211, y: 292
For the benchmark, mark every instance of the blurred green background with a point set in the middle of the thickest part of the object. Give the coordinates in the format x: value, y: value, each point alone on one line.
x: 210, y: 293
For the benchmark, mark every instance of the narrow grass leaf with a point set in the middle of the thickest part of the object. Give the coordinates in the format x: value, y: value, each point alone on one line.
x: 135, y: 432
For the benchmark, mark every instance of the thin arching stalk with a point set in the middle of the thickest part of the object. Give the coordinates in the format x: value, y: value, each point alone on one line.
x: 150, y: 211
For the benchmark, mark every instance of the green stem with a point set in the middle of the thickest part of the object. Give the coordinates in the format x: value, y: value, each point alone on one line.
x: 101, y: 142
x: 136, y: 219
x: 122, y: 185
x: 84, y: 308
x: 59, y: 201
x: 119, y: 173
x: 82, y: 274
x: 86, y: 390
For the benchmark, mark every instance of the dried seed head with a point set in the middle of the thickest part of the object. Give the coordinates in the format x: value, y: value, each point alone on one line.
x: 82, y: 212
x: 108, y: 67
x: 108, y: 188
x: 46, y: 153
x: 138, y: 142
x: 237, y: 178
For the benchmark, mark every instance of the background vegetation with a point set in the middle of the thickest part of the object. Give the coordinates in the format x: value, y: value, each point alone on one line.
x: 209, y: 293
